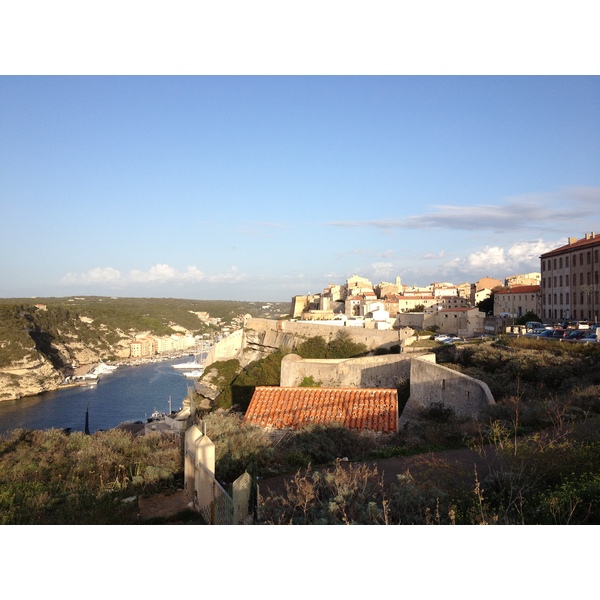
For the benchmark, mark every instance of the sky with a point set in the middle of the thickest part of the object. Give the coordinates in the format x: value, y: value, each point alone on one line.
x: 258, y: 152
x: 266, y: 187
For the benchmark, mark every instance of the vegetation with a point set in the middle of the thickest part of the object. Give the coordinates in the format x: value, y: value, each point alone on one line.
x: 98, y: 323
x: 340, y: 347
x: 237, y: 384
x: 529, y: 316
x: 538, y: 450
x: 49, y: 477
x: 539, y: 379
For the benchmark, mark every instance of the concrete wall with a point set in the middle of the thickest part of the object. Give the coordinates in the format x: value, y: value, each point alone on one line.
x: 373, y: 371
x: 431, y: 383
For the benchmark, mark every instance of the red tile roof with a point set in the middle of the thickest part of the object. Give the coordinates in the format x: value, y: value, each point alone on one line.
x: 520, y: 289
x: 273, y: 407
x: 576, y: 245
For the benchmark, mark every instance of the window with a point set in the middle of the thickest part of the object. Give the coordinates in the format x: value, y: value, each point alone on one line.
x: 566, y: 261
x: 555, y: 281
x: 589, y: 257
x: 580, y: 278
x: 560, y: 263
x: 574, y: 259
x: 560, y: 281
x: 567, y: 280
x: 567, y: 298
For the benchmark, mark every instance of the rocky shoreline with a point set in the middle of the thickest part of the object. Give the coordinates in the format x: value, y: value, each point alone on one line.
x: 38, y: 375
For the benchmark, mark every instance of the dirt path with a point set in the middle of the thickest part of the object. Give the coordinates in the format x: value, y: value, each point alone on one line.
x: 459, y: 464
x: 162, y: 506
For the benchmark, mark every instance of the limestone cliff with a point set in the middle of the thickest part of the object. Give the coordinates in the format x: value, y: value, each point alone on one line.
x: 30, y: 376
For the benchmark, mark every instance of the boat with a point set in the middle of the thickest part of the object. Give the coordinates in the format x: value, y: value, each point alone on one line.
x: 156, y: 416
x: 103, y: 369
x: 194, y: 373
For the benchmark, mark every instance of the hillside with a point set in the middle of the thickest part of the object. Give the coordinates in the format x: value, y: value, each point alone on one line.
x: 41, y: 337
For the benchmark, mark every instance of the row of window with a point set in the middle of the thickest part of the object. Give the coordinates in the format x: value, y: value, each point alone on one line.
x: 508, y: 299
x: 547, y: 281
x: 558, y: 298
x: 554, y: 263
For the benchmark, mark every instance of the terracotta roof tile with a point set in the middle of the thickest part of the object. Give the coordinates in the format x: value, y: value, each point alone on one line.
x: 520, y: 289
x: 591, y: 241
x: 294, y: 407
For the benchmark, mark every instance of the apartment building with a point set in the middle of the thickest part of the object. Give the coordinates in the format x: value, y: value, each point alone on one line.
x: 569, y: 280
x: 142, y: 347
x: 517, y: 301
x: 482, y: 289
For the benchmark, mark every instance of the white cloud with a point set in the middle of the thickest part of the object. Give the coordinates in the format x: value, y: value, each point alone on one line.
x: 522, y: 256
x: 382, y: 269
x: 230, y: 276
x: 493, y: 256
x: 97, y: 275
x: 159, y: 274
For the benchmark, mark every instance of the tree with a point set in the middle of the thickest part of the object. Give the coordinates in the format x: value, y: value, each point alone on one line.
x: 530, y: 316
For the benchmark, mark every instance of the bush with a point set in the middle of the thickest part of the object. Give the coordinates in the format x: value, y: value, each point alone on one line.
x: 49, y: 477
x: 351, y: 495
x: 341, y: 347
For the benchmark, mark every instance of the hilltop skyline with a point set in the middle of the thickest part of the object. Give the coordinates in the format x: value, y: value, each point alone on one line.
x: 262, y: 188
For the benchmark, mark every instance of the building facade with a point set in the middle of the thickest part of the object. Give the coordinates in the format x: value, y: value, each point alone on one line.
x: 570, y: 280
x: 517, y: 301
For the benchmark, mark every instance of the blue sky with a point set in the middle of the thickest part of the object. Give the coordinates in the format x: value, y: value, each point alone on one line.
x: 261, y: 188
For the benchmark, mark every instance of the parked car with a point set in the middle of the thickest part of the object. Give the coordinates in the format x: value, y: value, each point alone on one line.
x: 548, y: 333
x: 453, y: 339
x: 576, y: 334
x: 535, y: 332
x: 589, y: 337
x: 441, y: 337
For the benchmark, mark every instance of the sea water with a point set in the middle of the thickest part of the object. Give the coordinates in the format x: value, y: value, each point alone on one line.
x: 129, y: 393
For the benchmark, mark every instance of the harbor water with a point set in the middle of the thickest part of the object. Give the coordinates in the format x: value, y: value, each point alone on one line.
x: 130, y: 393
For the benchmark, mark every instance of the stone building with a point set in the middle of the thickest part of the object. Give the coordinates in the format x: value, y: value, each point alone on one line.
x: 517, y: 301
x: 570, y: 280
x: 482, y: 289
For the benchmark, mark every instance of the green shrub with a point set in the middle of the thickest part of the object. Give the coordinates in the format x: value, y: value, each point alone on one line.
x: 48, y: 477
x: 310, y: 382
x: 340, y: 347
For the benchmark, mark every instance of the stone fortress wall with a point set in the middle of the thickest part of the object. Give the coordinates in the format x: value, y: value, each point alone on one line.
x: 430, y: 383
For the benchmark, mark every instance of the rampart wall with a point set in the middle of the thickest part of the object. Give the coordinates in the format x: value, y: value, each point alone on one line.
x: 260, y: 337
x: 374, y: 371
x: 431, y: 383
